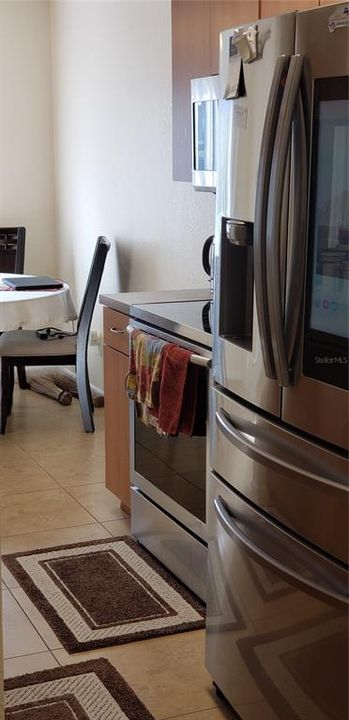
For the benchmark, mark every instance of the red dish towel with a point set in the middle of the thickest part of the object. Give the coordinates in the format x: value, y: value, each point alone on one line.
x: 178, y: 389
x: 189, y: 410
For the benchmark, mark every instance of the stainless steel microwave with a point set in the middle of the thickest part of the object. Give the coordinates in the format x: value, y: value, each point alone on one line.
x: 205, y: 93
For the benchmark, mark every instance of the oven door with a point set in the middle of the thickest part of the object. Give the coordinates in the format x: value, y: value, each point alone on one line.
x: 171, y: 471
x: 277, y: 616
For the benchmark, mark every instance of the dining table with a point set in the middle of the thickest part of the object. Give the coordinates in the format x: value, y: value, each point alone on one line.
x: 34, y: 309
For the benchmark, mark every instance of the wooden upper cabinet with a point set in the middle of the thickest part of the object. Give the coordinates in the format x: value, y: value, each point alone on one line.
x: 268, y: 8
x: 191, y: 57
x: 196, y: 25
x: 227, y: 14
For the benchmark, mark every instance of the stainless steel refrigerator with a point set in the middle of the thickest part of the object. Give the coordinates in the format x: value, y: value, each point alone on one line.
x: 277, y: 613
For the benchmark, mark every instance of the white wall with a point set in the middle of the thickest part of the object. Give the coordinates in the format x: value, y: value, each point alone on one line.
x: 86, y: 146
x: 26, y: 151
x: 112, y: 92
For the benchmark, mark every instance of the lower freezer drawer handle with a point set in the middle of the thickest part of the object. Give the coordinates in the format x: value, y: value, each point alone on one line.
x: 228, y: 522
x: 244, y: 441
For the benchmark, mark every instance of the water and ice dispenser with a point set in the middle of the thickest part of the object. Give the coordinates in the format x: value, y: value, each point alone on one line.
x: 236, y: 302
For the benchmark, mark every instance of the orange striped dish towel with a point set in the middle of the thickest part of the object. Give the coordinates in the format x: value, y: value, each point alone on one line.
x: 143, y: 378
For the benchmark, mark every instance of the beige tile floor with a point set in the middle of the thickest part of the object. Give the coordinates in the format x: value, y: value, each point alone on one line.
x: 52, y: 492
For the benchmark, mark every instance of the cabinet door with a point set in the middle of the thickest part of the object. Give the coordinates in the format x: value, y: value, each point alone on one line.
x: 268, y: 8
x: 227, y: 14
x: 196, y: 25
x: 191, y: 58
x: 116, y: 404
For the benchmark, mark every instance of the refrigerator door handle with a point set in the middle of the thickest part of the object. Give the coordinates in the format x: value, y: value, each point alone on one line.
x: 262, y: 195
x: 297, y: 239
x: 314, y: 577
x: 245, y: 440
x: 277, y: 178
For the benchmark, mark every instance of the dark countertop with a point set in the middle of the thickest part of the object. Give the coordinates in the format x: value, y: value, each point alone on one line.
x: 186, y: 319
x: 183, y: 313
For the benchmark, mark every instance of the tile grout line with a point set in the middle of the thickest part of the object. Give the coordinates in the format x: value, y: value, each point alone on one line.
x: 49, y: 474
x: 70, y: 495
x: 31, y: 623
x: 217, y: 704
x: 26, y: 492
x: 122, y: 517
x: 188, y: 715
x: 27, y: 655
x: 59, y: 487
x: 64, y: 527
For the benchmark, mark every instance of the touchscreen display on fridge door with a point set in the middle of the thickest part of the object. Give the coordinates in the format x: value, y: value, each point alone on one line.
x: 330, y: 276
x: 327, y: 318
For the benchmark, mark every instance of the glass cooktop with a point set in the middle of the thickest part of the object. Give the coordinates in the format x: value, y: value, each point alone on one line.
x: 191, y: 320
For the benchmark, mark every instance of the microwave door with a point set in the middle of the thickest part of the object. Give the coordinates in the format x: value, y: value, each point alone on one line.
x: 205, y: 99
x: 317, y: 396
x: 247, y: 131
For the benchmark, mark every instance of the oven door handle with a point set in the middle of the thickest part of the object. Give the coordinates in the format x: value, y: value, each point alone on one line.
x: 315, y: 576
x: 244, y: 438
x: 195, y: 359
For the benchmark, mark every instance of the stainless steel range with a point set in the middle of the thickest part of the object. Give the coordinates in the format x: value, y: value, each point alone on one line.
x: 168, y: 474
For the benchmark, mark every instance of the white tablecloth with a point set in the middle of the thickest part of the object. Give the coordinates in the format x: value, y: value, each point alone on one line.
x: 31, y: 309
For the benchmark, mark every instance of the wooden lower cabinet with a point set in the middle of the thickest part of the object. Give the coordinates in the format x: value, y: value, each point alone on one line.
x: 117, y: 448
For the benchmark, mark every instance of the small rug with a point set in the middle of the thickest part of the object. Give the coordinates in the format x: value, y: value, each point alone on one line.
x: 90, y: 690
x: 105, y: 592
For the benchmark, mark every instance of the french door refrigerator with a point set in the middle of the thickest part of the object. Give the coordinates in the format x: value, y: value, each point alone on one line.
x: 277, y: 612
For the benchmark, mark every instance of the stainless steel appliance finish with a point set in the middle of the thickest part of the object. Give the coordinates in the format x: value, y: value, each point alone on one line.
x: 128, y: 303
x: 278, y: 514
x: 168, y: 477
x: 205, y: 93
x: 313, y: 402
x: 281, y: 333
x: 277, y: 616
x: 238, y: 360
x: 289, y: 477
x: 169, y: 541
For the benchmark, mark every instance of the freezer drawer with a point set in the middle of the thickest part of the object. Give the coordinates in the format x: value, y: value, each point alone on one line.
x: 294, y: 480
x: 277, y: 617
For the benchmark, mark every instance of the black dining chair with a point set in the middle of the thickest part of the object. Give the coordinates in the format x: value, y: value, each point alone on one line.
x: 12, y: 246
x: 26, y: 348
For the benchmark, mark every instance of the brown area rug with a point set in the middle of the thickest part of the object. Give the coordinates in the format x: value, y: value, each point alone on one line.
x: 90, y: 690
x: 105, y: 592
